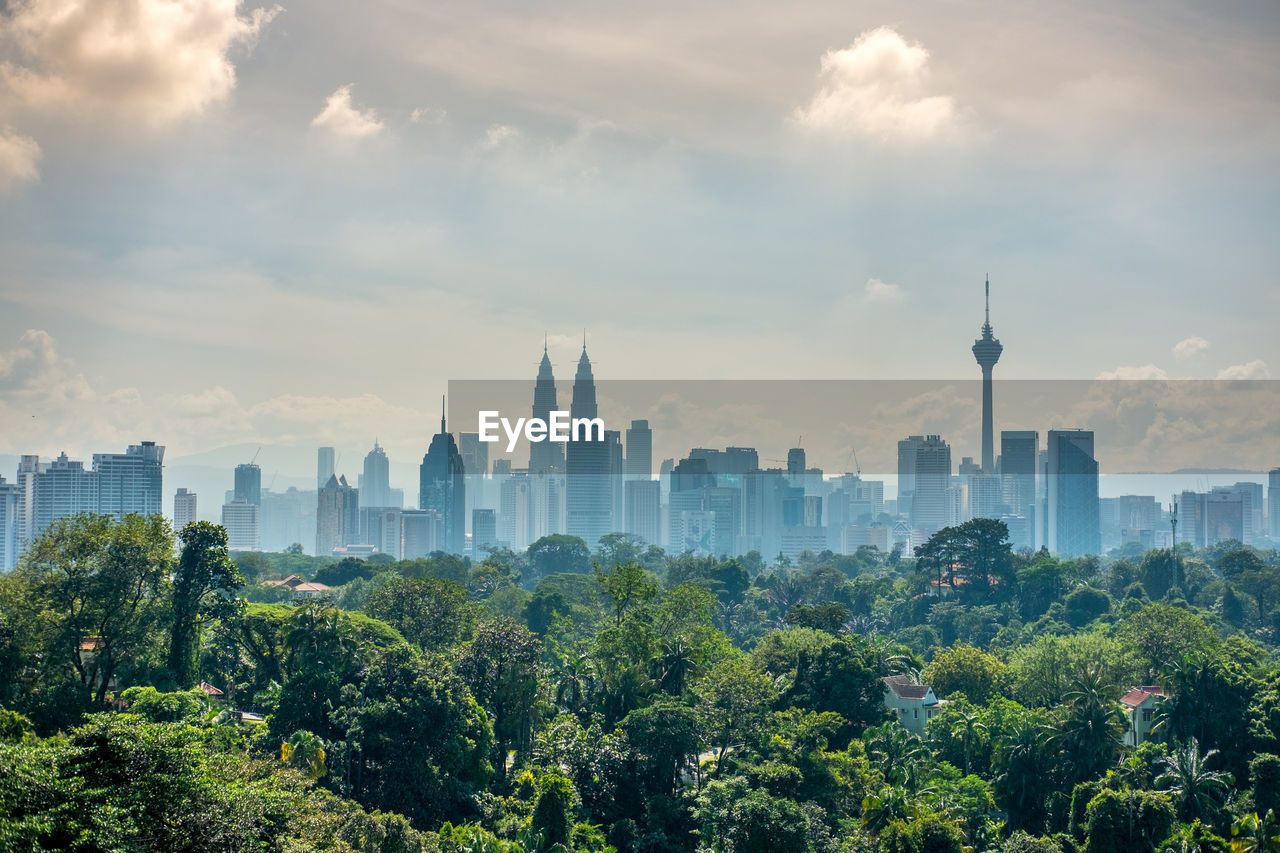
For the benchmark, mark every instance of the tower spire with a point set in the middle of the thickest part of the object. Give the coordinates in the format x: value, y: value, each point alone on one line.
x: 544, y: 343
x: 988, y: 300
x: 442, y: 429
x: 584, y: 338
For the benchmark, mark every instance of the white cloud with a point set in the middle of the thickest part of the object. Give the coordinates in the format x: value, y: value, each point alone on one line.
x: 498, y: 135
x: 1256, y: 369
x: 155, y: 60
x: 881, y: 291
x: 1138, y: 372
x: 1190, y: 347
x: 428, y: 115
x: 19, y: 156
x: 343, y: 118
x: 876, y: 87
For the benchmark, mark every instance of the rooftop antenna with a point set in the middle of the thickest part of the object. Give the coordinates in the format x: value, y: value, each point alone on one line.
x: 584, y: 338
x: 442, y: 413
x: 544, y: 342
x: 1173, y: 526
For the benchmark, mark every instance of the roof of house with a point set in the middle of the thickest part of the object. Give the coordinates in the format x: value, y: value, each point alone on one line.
x: 292, y: 580
x: 209, y: 689
x: 905, y: 688
x: 311, y: 587
x: 1137, y: 695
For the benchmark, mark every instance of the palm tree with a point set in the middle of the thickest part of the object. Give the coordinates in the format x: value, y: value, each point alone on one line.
x: 971, y: 733
x: 886, y: 806
x: 1253, y: 834
x: 1091, y: 730
x: 895, y: 752
x: 675, y: 665
x: 575, y: 683
x: 1195, y: 789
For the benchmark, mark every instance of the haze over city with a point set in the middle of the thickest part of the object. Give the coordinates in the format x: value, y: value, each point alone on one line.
x: 309, y: 253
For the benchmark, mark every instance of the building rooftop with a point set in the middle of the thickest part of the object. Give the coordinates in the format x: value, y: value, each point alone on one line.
x: 905, y: 688
x: 1137, y: 695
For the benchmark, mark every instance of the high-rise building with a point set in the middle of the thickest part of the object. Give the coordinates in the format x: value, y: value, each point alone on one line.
x: 184, y: 509
x: 288, y: 518
x: 9, y: 503
x: 589, y: 493
x: 475, y: 455
x: 643, y: 516
x: 422, y: 532
x: 985, y: 499
x: 546, y: 456
x: 248, y: 484
x: 381, y: 528
x: 29, y: 467
x: 639, y: 451
x: 441, y: 487
x: 242, y: 521
x: 337, y: 515
x: 131, y: 482
x: 987, y: 350
x: 62, y: 487
x: 1251, y: 500
x: 1073, y: 525
x: 930, y: 474
x: 375, y: 483
x: 1273, y: 502
x: 484, y: 531
x: 1018, y: 452
x: 324, y: 467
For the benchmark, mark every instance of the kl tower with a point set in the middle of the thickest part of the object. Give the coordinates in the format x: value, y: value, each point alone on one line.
x: 987, y: 350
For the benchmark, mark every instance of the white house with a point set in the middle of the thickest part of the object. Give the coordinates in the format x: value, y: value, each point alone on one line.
x: 1140, y: 706
x: 912, y: 704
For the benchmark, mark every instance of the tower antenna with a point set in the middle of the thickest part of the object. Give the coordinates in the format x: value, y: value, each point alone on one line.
x: 988, y: 299
x: 442, y: 413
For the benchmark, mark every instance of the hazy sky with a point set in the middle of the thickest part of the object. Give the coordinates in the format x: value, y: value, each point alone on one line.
x: 223, y: 223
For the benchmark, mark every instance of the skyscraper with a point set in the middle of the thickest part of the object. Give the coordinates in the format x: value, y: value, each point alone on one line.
x: 184, y: 509
x: 337, y: 515
x: 131, y: 482
x: 987, y: 350
x: 375, y: 484
x: 643, y: 515
x: 546, y: 456
x: 441, y: 487
x: 484, y: 531
x: 639, y: 450
x: 589, y: 497
x: 1273, y: 502
x: 1018, y: 452
x: 324, y: 467
x: 9, y: 493
x: 242, y: 520
x: 930, y: 473
x: 1073, y: 526
x: 248, y: 484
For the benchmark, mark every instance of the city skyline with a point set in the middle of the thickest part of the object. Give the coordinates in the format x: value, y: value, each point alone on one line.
x: 834, y: 182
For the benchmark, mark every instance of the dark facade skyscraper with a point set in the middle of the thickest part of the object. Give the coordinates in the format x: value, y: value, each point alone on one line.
x: 640, y: 450
x: 589, y: 493
x: 441, y: 487
x: 248, y: 484
x: 987, y: 350
x: 1073, y: 526
x: 547, y: 456
x: 1018, y: 452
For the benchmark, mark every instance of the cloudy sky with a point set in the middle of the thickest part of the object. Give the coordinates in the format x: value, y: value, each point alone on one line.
x: 224, y: 223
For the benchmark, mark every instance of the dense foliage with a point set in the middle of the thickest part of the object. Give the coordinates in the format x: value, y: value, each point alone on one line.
x: 570, y: 700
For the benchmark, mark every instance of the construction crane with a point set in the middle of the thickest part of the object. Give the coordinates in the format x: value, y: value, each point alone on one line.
x: 853, y: 452
x: 255, y: 455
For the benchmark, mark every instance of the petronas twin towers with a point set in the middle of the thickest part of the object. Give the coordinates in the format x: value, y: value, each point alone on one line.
x: 586, y: 464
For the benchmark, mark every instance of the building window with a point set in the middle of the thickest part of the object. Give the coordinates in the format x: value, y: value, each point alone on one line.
x: 916, y: 712
x: 1146, y: 714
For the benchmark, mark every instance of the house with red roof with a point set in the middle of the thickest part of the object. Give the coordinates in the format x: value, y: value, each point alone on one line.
x: 912, y: 704
x: 1140, y: 705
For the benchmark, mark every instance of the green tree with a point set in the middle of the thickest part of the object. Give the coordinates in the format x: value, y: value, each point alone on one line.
x: 204, y: 588
x: 94, y: 594
x: 304, y: 752
x: 501, y: 665
x: 1124, y: 821
x: 965, y: 669
x: 432, y: 613
x: 1084, y: 604
x: 553, y: 810
x: 734, y: 699
x: 1253, y: 834
x: 1264, y: 774
x: 1091, y: 727
x: 1196, y: 790
x: 626, y: 586
x: 557, y: 553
